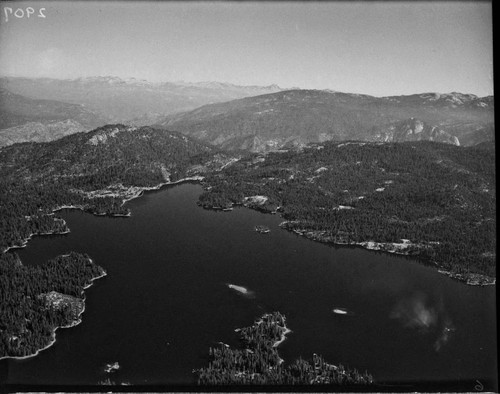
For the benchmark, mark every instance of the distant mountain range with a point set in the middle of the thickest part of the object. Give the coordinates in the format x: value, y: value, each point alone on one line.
x: 255, y: 118
x: 297, y: 117
x: 131, y: 100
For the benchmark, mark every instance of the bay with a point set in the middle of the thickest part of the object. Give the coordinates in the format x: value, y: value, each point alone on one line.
x: 166, y: 300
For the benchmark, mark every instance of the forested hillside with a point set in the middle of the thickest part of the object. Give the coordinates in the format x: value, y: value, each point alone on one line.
x: 95, y: 171
x: 432, y: 200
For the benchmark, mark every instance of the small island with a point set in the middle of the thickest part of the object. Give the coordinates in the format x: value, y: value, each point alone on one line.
x: 259, y: 362
x: 261, y: 229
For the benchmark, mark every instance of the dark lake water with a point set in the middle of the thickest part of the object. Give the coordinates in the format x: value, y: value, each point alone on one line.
x: 165, y: 300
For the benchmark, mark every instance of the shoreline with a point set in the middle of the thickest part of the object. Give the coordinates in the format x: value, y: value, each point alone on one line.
x: 25, y: 241
x: 143, y: 189
x: 472, y: 279
x: 404, y: 248
x: 74, y: 323
x: 285, y: 331
x: 126, y: 194
x: 137, y: 193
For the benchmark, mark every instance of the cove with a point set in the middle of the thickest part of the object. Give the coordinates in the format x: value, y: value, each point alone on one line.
x: 166, y: 300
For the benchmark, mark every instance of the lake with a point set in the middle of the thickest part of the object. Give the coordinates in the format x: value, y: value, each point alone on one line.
x: 166, y: 300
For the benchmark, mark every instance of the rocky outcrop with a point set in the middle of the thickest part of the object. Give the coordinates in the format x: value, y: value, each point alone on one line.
x: 414, y: 130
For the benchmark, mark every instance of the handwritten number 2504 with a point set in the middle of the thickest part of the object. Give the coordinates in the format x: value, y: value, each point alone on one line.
x: 21, y: 12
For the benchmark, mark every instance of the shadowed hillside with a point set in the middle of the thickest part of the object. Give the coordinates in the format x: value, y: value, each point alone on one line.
x: 24, y: 119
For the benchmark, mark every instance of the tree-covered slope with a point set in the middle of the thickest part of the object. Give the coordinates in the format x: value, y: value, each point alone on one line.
x: 434, y: 200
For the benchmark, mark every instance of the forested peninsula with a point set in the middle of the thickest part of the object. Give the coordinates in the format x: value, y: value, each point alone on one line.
x: 36, y: 300
x: 258, y: 362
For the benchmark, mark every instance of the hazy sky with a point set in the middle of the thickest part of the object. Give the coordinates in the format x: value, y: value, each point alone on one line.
x: 377, y: 48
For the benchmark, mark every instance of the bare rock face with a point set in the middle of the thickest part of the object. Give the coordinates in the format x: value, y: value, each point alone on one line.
x: 415, y: 130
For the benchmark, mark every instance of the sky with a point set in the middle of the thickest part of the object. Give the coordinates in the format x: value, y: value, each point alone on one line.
x: 375, y: 48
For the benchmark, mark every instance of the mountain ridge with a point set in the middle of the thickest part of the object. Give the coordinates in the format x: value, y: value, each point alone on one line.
x: 307, y: 116
x: 262, y: 120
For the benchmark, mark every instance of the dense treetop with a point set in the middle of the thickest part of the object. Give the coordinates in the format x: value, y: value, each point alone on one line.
x: 258, y: 363
x: 27, y: 315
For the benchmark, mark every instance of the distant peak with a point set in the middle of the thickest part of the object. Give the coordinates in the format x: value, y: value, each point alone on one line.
x: 274, y: 86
